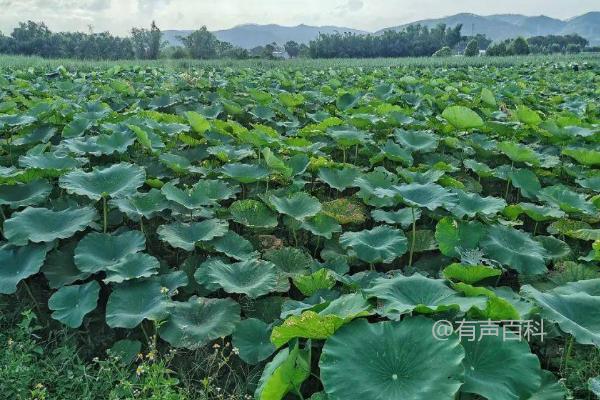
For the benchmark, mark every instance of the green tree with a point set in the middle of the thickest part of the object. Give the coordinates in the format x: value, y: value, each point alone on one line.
x: 147, y: 43
x: 519, y: 47
x: 443, y: 52
x: 292, y: 48
x: 573, y: 48
x: 201, y: 44
x: 472, y: 48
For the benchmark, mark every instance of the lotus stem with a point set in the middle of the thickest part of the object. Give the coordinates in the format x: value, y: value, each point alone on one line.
x: 535, y: 228
x: 414, y: 235
x: 569, y: 348
x: 35, y: 303
x: 344, y: 153
x: 105, y: 210
x: 355, y: 153
x: 142, y: 225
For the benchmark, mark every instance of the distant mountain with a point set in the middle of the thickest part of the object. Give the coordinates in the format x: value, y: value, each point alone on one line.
x: 495, y: 27
x: 251, y: 35
x: 504, y: 26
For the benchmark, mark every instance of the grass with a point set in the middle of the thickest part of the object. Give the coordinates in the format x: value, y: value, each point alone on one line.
x: 455, y: 61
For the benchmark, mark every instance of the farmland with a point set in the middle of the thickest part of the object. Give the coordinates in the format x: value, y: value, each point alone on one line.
x: 303, y: 229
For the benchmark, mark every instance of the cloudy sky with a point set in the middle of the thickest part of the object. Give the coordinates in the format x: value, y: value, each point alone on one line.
x: 118, y: 16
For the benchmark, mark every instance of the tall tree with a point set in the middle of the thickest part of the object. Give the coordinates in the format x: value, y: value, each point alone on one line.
x: 201, y: 44
x: 147, y: 43
x: 472, y: 48
x: 292, y: 48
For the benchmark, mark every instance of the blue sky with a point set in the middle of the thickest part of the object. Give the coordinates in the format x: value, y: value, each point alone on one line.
x: 118, y: 16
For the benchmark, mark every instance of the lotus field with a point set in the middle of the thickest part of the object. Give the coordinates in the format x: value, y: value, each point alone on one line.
x: 379, y: 232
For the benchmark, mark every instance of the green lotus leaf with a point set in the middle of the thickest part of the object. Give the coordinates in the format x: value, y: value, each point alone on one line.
x: 594, y: 385
x: 541, y: 213
x: 404, y: 294
x: 455, y: 236
x: 25, y: 194
x: 194, y: 323
x: 462, y: 117
x: 290, y: 260
x: 424, y: 241
x: 185, y: 236
x: 44, y: 225
x: 18, y: 263
x: 550, y: 389
x: 429, y: 176
x: 102, y: 251
x: 50, y: 161
x: 555, y: 248
x: 574, y: 307
x: 370, y: 184
x: 299, y: 205
x: 423, y: 142
x: 498, y: 365
x: 252, y: 338
x: 527, y: 116
x: 391, y: 360
x: 567, y: 226
x: 310, y: 284
x: 60, y: 269
x: 566, y: 199
x: 347, y: 137
x: 430, y: 195
x: 339, y: 179
x: 393, y: 152
x: 583, y: 156
x: 253, y: 214
x: 133, y: 266
x: 382, y: 244
x: 125, y: 350
x: 321, y: 225
x: 285, y: 373
x: 585, y: 234
x: 526, y: 181
x: 139, y: 205
x: 194, y: 197
x: 469, y: 274
x: 402, y: 217
x: 198, y: 123
x: 17, y: 120
x: 592, y: 183
x: 515, y: 249
x: 253, y: 278
x: 308, y: 325
x: 347, y: 101
x: 519, y: 153
x: 118, y: 180
x: 345, y: 211
x: 133, y: 301
x: 71, y: 303
x: 471, y: 204
x: 234, y: 246
x: 245, y: 173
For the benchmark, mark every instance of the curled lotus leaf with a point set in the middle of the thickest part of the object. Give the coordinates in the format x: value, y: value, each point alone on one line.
x: 51, y: 161
x: 102, y: 251
x: 515, y: 249
x: 253, y: 214
x: 382, y: 244
x: 422, y: 142
x: 252, y: 338
x: 194, y: 323
x: 18, y: 263
x: 471, y: 204
x: 245, y: 173
x: 338, y: 179
x: 24, y: 194
x: 44, y: 225
x: 60, y: 269
x: 429, y: 195
x: 139, y: 205
x: 402, y: 217
x: 299, y: 205
x: 132, y: 266
x: 391, y: 360
x: 185, y: 236
x: 254, y: 278
x: 133, y: 301
x: 71, y: 303
x: 566, y: 199
x: 235, y: 246
x: 322, y: 225
x: 117, y: 180
x: 462, y: 117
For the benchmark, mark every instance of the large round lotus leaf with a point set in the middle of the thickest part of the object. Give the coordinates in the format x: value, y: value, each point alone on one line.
x: 519, y: 153
x: 290, y: 260
x: 574, y: 307
x: 252, y: 338
x: 566, y: 199
x: 145, y: 205
x: 525, y: 180
x: 196, y: 322
x: 132, y: 266
x: 583, y: 156
x: 339, y: 179
x: 118, y: 180
x: 321, y: 225
x: 347, y: 136
x: 394, y: 152
x: 252, y: 213
x: 471, y: 204
x: 194, y: 197
x: 515, y: 249
x: 403, y: 294
x: 382, y: 244
x: 402, y: 217
x: 318, y: 280
x: 299, y: 205
x: 556, y: 249
x: 390, y: 361
x: 423, y: 142
x: 245, y: 173
x: 498, y: 365
x: 235, y: 246
x: 592, y: 183
x: 469, y: 274
x: 454, y: 237
x: 185, y: 236
x: 370, y: 183
x: 59, y: 268
x: 540, y: 213
x: 462, y: 117
x: 24, y: 194
x: 50, y: 161
x: 430, y: 195
x: 253, y: 278
x: 133, y: 301
x: 101, y: 251
x: 71, y: 303
x: 44, y: 225
x: 18, y: 263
